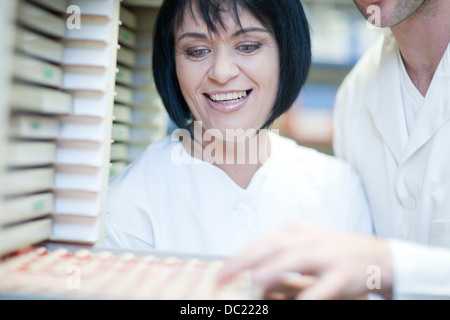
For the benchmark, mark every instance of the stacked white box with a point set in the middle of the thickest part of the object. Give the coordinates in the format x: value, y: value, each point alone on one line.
x: 139, y: 116
x: 83, y: 145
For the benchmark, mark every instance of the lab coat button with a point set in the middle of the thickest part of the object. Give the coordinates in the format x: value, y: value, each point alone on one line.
x: 411, y: 204
x: 242, y: 208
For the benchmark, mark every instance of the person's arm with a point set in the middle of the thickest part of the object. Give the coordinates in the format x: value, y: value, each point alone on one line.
x: 130, y: 222
x: 420, y: 272
x: 117, y: 238
x: 347, y: 266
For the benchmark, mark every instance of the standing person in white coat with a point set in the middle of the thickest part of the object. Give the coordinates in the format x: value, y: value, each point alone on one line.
x: 392, y: 123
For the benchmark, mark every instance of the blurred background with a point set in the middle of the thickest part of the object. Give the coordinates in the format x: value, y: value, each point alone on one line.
x: 340, y: 36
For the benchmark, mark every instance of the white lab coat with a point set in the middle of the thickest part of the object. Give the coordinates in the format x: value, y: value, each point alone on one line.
x: 407, y: 177
x: 193, y: 207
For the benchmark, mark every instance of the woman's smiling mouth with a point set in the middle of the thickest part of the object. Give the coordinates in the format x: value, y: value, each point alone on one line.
x: 226, y: 102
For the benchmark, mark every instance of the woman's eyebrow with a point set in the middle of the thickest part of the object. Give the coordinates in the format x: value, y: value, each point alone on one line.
x: 192, y: 35
x: 205, y: 37
x: 247, y: 30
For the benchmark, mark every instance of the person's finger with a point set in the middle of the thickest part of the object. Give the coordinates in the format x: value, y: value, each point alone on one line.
x: 297, y: 281
x: 288, y: 286
x: 258, y: 254
x: 278, y: 252
x: 252, y: 260
x: 245, y: 260
x: 288, y: 259
x: 329, y: 286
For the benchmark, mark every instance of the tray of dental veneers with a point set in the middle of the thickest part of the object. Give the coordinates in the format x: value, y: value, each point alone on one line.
x: 40, y: 272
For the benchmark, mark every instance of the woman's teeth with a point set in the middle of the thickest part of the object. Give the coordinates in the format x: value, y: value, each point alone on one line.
x: 229, y: 97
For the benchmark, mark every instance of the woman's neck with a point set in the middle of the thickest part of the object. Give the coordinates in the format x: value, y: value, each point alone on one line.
x: 244, y: 157
x: 239, y: 156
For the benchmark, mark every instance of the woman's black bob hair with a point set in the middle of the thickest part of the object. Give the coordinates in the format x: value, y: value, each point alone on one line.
x: 287, y: 21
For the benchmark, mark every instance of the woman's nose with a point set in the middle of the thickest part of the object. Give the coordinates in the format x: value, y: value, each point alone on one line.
x: 224, y: 67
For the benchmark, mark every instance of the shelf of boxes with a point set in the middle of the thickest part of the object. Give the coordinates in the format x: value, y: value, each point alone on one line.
x: 139, y: 116
x: 56, y: 120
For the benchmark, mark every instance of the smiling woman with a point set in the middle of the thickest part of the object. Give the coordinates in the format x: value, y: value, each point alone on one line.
x: 214, y: 69
x: 253, y: 29
x: 226, y: 70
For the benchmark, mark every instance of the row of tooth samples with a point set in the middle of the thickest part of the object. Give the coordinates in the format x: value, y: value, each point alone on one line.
x: 104, y: 275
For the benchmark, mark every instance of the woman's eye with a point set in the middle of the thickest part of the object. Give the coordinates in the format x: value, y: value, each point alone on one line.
x: 249, y: 48
x: 197, y: 53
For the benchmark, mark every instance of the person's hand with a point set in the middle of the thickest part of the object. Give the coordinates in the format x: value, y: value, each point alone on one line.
x: 346, y: 266
x: 287, y: 286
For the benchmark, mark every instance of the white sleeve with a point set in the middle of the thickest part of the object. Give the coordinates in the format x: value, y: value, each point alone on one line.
x: 361, y: 216
x: 129, y: 223
x: 420, y: 272
x: 339, y: 123
x: 117, y: 238
x: 349, y: 209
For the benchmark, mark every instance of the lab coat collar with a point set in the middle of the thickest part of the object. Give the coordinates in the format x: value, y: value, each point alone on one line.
x: 435, y: 110
x: 385, y: 103
x: 384, y: 99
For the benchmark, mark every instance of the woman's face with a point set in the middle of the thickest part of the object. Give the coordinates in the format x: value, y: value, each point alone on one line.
x: 229, y: 79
